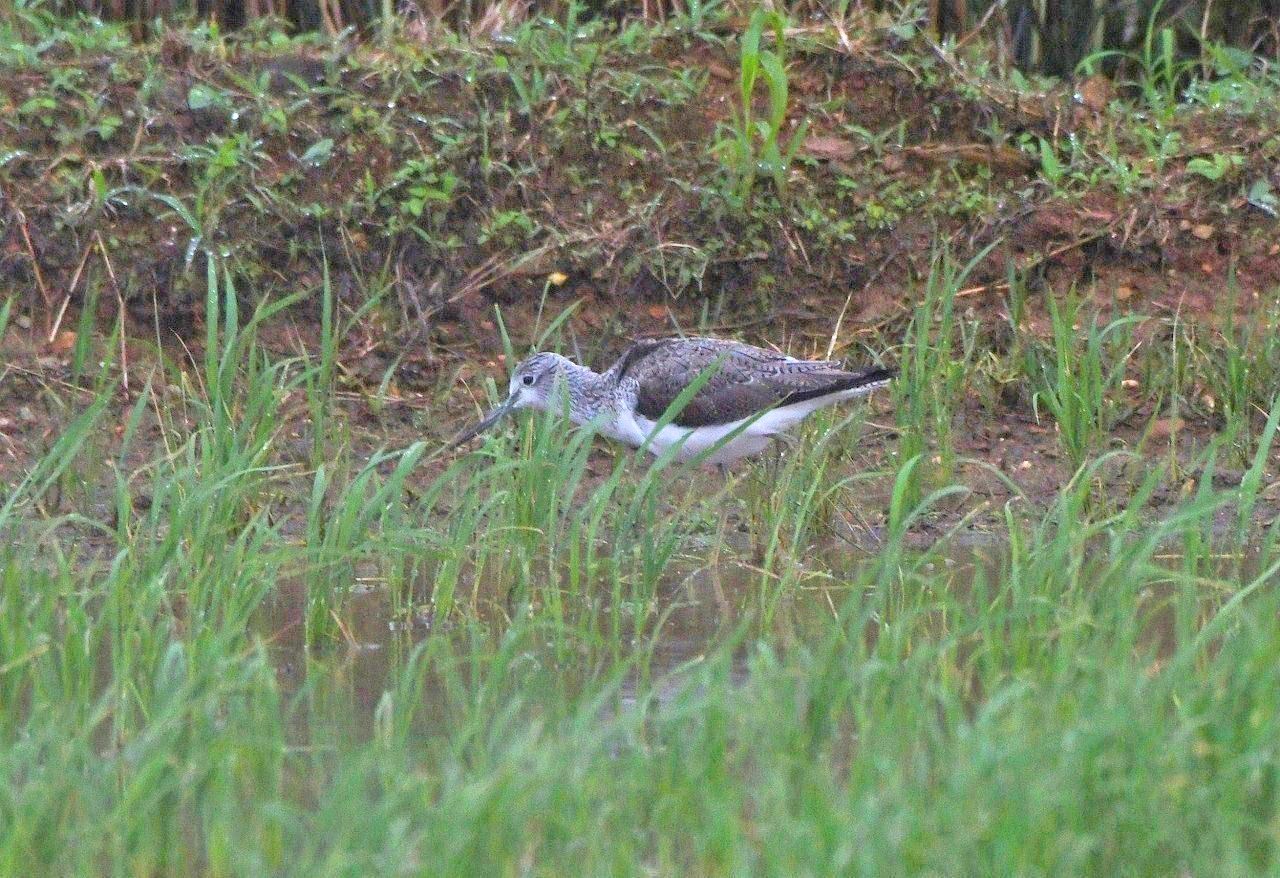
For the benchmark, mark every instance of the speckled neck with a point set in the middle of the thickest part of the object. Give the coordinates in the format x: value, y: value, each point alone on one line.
x: 590, y: 393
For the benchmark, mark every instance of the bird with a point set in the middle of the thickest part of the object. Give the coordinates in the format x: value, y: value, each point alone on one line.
x: 750, y: 394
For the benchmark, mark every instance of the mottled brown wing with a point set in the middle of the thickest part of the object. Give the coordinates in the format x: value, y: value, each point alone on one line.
x: 748, y: 380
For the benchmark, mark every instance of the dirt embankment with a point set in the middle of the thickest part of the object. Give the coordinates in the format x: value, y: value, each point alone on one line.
x: 454, y: 178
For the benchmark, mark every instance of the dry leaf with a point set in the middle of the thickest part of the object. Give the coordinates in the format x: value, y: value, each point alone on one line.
x: 64, y: 342
x: 824, y: 147
x: 657, y: 312
x: 1095, y: 92
x: 1166, y: 427
x: 719, y: 71
x: 1203, y: 231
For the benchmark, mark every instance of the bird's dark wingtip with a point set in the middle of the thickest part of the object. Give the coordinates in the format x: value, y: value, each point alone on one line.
x: 877, y: 374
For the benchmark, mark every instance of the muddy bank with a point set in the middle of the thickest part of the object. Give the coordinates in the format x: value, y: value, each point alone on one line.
x: 447, y: 179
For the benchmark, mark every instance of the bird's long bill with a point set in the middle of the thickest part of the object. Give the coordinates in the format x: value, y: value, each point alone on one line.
x: 485, y: 423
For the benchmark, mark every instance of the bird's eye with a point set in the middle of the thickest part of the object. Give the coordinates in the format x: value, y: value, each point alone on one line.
x: 528, y: 380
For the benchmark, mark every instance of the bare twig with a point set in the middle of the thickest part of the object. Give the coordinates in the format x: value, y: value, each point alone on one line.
x: 66, y: 299
x: 1052, y: 254
x: 982, y: 23
x: 115, y: 285
x: 1204, y: 37
x: 35, y: 262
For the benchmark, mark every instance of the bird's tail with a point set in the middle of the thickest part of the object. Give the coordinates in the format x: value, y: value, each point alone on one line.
x: 870, y: 379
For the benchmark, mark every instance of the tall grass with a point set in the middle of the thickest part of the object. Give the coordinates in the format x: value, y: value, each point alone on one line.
x: 1078, y: 378
x: 933, y: 373
x: 1007, y: 724
x: 1095, y: 692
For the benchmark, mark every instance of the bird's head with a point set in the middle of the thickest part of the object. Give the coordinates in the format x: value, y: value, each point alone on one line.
x: 534, y: 381
x: 533, y: 385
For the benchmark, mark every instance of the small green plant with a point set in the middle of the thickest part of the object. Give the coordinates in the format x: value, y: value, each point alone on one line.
x: 424, y: 190
x: 531, y: 86
x: 1216, y: 166
x: 1228, y: 79
x: 1079, y: 384
x: 932, y: 378
x: 756, y: 145
x: 1162, y: 71
x: 1238, y: 369
x: 696, y: 17
x: 510, y: 228
x: 1051, y: 167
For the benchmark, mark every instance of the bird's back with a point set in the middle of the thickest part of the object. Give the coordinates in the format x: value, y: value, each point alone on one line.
x: 746, y: 379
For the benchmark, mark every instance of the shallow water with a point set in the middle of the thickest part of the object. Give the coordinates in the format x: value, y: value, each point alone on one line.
x: 695, y: 611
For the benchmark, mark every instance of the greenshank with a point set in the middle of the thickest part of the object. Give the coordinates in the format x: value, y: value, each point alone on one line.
x: 750, y: 394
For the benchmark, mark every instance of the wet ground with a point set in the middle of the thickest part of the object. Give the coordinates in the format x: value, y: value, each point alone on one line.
x: 1002, y: 454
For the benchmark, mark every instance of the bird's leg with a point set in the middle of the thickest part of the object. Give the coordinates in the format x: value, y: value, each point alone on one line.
x: 773, y: 460
x: 717, y: 588
x: 783, y: 442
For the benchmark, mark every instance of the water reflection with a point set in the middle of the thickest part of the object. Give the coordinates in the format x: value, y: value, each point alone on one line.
x: 693, y: 615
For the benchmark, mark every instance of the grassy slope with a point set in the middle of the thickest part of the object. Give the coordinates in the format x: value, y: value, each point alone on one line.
x: 477, y: 171
x: 1096, y: 692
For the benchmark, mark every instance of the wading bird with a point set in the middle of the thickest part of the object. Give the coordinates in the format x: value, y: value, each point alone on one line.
x: 756, y: 392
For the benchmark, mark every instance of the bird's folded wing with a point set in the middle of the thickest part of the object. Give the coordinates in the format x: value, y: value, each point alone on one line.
x: 746, y: 380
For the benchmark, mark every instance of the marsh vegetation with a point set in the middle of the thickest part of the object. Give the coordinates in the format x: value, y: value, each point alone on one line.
x: 1017, y: 615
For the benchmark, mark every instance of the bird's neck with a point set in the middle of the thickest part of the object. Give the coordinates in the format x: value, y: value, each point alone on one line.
x: 590, y: 393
